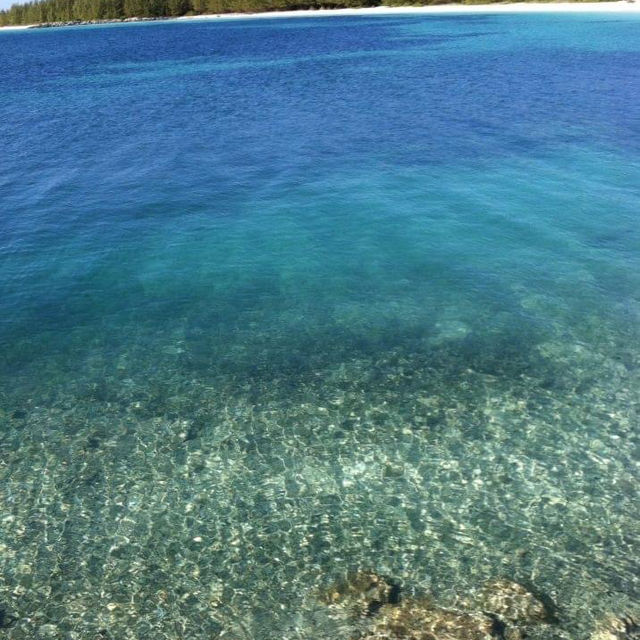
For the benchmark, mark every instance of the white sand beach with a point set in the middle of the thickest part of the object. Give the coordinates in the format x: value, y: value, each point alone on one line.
x: 618, y: 6
x: 624, y: 6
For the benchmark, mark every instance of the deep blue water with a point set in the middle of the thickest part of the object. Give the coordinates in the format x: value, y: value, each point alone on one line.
x: 281, y: 299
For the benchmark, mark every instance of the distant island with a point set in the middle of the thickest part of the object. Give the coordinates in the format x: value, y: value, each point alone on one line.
x: 53, y: 13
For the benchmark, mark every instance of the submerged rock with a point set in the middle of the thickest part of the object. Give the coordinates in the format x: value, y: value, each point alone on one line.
x: 503, y: 610
x: 421, y: 620
x: 6, y: 619
x: 512, y: 603
x: 617, y: 628
x: 362, y: 593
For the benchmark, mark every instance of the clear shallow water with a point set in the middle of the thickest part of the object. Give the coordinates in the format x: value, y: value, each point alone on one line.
x: 289, y: 298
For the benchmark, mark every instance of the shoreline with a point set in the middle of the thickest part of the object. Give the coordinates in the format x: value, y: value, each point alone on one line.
x: 615, y: 6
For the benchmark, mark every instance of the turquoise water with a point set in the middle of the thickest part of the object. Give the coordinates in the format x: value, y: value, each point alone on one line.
x: 284, y: 299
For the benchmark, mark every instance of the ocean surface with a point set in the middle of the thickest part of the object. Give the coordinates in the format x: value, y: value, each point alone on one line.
x: 284, y: 299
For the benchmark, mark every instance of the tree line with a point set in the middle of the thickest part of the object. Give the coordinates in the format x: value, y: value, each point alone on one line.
x: 43, y: 11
